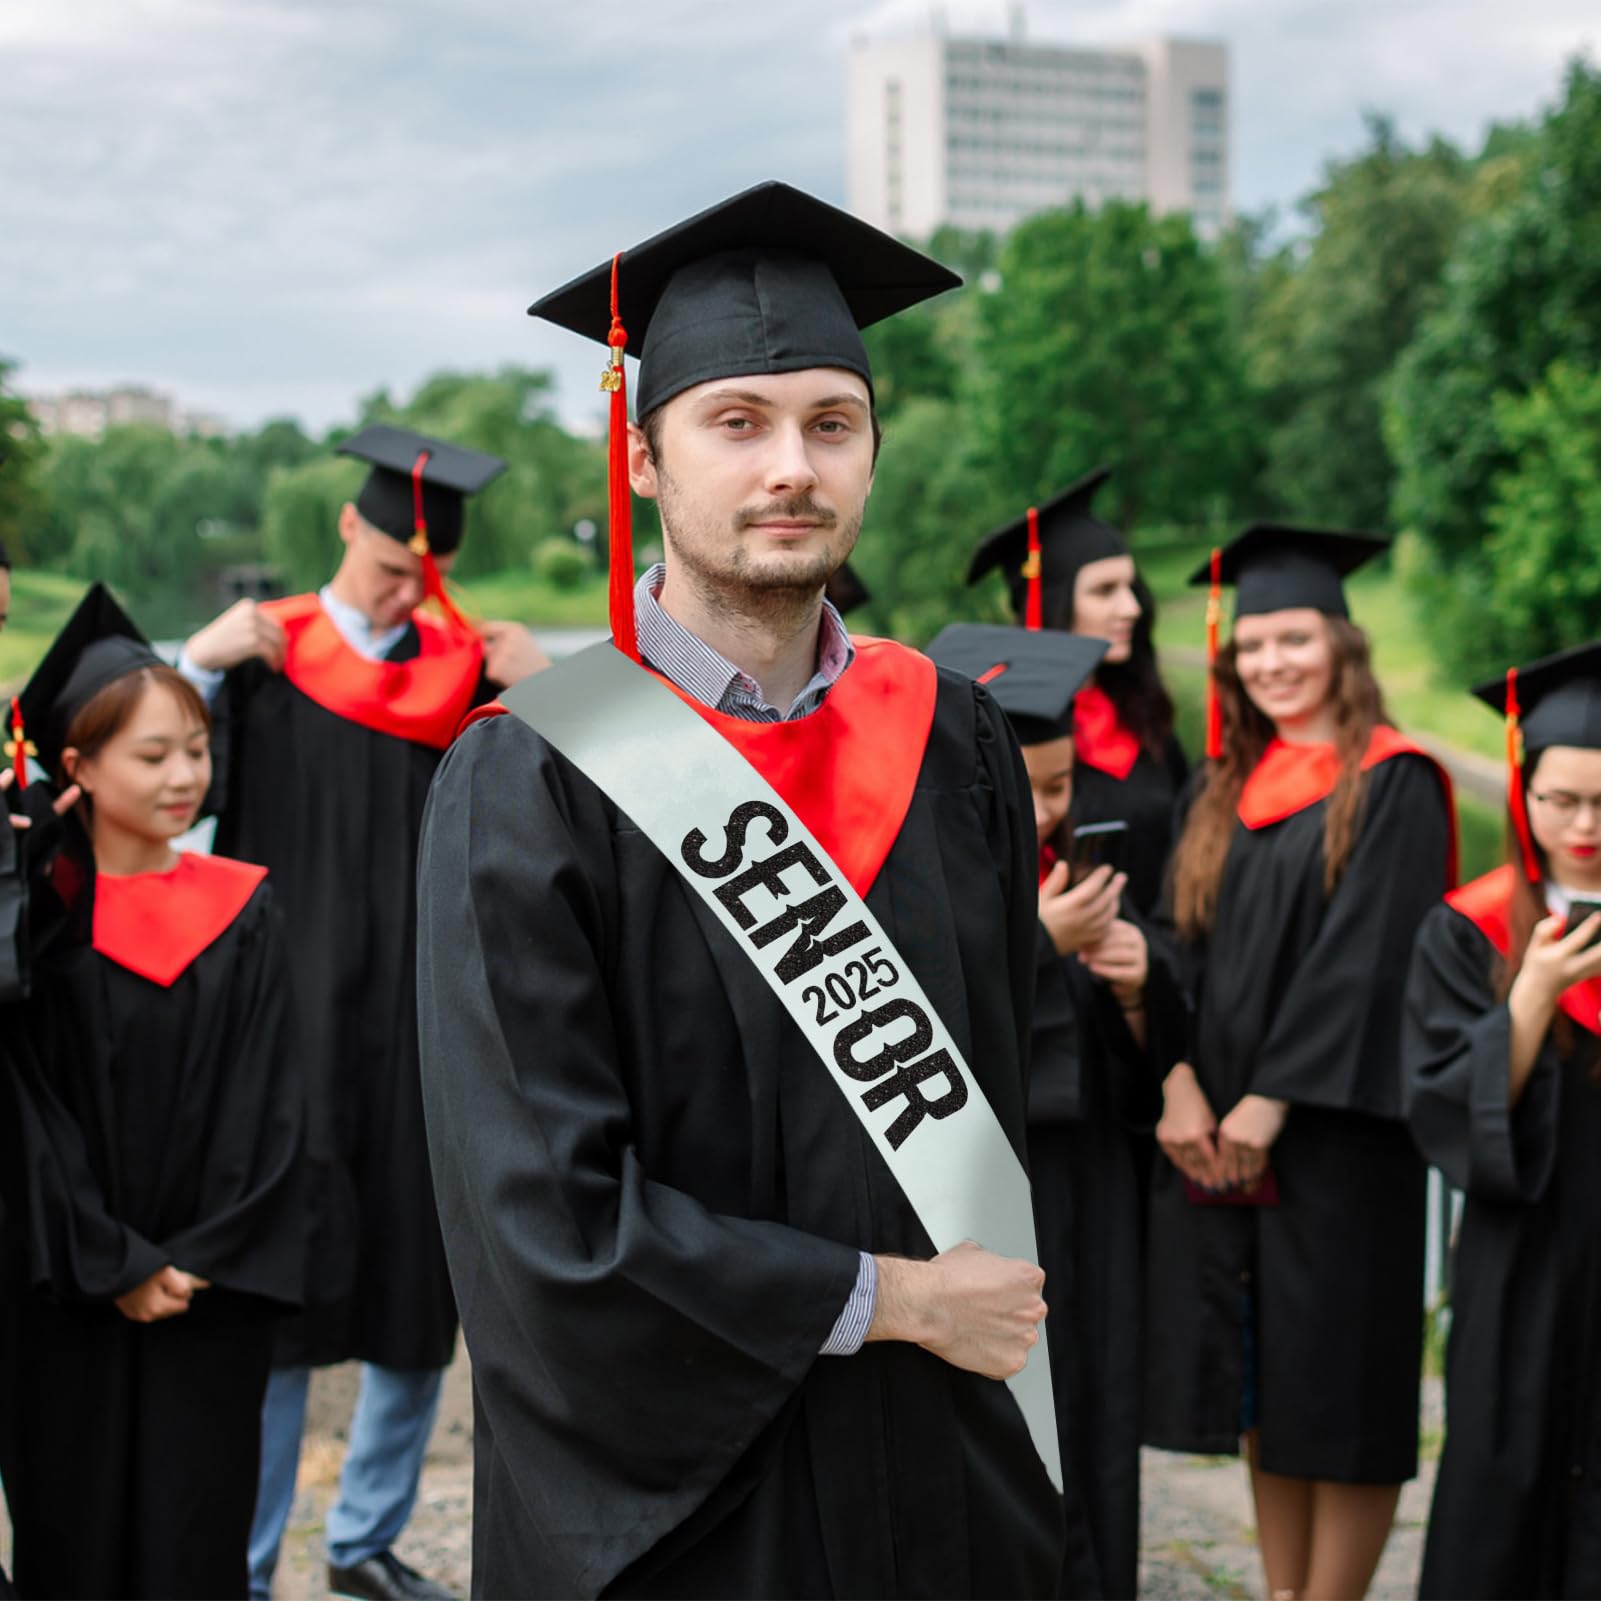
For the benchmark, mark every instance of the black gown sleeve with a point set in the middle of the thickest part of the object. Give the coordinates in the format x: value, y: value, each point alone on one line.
x: 1456, y: 1044
x: 1056, y: 1066
x: 1333, y: 1040
x: 249, y: 1233
x: 611, y: 1318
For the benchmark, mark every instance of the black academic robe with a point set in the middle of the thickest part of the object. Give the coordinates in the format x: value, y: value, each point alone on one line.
x: 1094, y: 1097
x: 145, y: 1125
x: 334, y: 809
x: 1146, y: 800
x: 1299, y: 998
x: 1517, y: 1504
x: 654, y: 1200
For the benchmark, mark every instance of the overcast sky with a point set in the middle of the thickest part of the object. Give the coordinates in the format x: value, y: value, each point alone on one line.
x: 271, y: 207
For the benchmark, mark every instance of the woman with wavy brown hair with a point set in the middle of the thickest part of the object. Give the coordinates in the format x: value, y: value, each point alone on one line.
x: 1501, y: 1056
x: 1130, y: 767
x: 1287, y: 1225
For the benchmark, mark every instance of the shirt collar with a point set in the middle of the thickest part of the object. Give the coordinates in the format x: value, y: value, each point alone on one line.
x: 710, y: 677
x: 357, y: 628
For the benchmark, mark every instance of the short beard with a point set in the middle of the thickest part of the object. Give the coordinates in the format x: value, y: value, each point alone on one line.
x: 781, y: 596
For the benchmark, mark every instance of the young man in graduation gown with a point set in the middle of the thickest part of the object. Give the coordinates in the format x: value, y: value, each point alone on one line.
x: 1501, y: 1054
x: 331, y: 711
x: 1108, y: 1010
x: 669, y: 1229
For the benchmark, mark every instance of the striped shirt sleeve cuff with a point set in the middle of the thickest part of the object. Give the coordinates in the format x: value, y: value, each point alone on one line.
x: 850, y: 1332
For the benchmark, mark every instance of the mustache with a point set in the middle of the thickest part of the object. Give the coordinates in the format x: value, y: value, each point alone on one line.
x: 795, y: 508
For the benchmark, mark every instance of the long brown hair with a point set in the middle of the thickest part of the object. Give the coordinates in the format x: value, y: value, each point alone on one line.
x: 1203, y: 847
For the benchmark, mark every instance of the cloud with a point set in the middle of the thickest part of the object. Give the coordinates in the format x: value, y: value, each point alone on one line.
x: 267, y: 205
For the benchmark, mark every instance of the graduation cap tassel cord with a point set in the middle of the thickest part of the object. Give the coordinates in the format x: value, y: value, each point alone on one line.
x: 619, y: 505
x: 1033, y: 608
x: 1515, y: 801
x: 1214, y: 619
x: 432, y: 582
x: 17, y: 745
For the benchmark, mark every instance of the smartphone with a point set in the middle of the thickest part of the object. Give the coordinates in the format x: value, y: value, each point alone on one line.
x: 1578, y: 911
x: 1096, y: 845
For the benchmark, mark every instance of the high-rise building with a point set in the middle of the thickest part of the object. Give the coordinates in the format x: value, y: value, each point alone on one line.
x: 979, y: 133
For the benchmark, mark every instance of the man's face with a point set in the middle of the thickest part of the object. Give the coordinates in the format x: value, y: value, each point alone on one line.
x: 761, y: 481
x: 382, y: 577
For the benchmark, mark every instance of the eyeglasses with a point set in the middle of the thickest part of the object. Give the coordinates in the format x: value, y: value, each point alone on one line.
x: 1564, y: 805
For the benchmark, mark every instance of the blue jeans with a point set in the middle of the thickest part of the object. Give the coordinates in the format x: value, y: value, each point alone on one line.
x: 378, y: 1488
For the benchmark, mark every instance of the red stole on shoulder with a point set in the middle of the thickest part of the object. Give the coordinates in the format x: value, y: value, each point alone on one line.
x: 156, y: 924
x: 1289, y: 778
x: 422, y: 700
x: 848, y: 769
x: 1099, y: 736
x: 1487, y: 904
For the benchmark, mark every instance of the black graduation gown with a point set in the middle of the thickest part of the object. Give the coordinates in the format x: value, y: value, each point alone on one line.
x: 654, y: 1200
x: 1517, y: 1505
x: 145, y: 1125
x: 1146, y: 801
x: 334, y: 810
x: 1299, y: 997
x: 1094, y: 1096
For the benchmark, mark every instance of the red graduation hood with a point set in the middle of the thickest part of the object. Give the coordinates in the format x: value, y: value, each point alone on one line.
x: 422, y: 700
x: 156, y: 924
x: 1487, y: 904
x: 1099, y: 735
x: 849, y: 770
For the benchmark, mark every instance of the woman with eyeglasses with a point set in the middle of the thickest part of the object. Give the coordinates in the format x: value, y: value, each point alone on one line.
x: 1502, y: 1063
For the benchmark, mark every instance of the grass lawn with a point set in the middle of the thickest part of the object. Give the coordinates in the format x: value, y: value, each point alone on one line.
x: 517, y: 593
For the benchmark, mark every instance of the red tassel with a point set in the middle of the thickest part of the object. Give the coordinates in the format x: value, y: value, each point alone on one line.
x: 619, y: 502
x: 1214, y: 619
x: 433, y: 581
x: 1033, y: 607
x: 1515, y: 801
x: 17, y: 746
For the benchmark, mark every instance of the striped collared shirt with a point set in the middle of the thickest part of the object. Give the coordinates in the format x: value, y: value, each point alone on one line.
x: 715, y: 681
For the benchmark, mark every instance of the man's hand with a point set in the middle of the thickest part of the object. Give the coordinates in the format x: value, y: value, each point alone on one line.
x: 511, y: 653
x: 977, y: 1311
x: 1187, y: 1132
x: 61, y: 805
x: 164, y: 1294
x: 241, y: 632
x: 1082, y: 916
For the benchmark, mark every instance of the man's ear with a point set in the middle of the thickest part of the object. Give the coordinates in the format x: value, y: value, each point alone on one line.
x: 641, y: 464
x: 349, y: 523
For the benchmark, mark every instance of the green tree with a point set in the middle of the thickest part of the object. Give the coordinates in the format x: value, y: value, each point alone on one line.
x: 1545, y: 513
x: 1328, y: 326
x: 300, y: 518
x: 1108, y: 339
x: 1522, y: 292
x: 21, y: 505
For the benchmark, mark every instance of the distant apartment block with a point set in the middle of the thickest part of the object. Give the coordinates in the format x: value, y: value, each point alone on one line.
x: 979, y: 133
x: 90, y: 412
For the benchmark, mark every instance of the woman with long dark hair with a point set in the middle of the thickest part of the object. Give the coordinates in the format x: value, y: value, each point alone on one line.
x: 1503, y: 1084
x: 153, y: 1225
x: 1287, y: 1225
x: 1131, y: 767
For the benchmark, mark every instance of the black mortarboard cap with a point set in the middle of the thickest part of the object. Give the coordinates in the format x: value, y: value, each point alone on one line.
x: 769, y: 281
x: 98, y: 644
x: 845, y: 590
x: 1071, y: 536
x: 449, y: 475
x: 1274, y: 567
x: 1033, y: 674
x: 1559, y: 697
